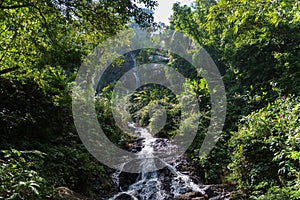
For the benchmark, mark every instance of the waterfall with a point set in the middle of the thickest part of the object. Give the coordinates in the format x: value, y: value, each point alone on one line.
x: 135, y: 71
x: 152, y: 185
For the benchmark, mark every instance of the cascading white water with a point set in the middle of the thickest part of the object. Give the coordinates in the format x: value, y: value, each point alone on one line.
x: 135, y: 71
x: 150, y: 185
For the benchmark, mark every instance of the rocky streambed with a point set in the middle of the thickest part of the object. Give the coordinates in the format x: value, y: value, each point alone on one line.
x: 174, y: 181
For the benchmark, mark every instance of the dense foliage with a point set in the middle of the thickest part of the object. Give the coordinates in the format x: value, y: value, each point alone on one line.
x: 266, y: 159
x: 42, y: 46
x: 19, y: 179
x: 258, y: 43
x: 255, y: 44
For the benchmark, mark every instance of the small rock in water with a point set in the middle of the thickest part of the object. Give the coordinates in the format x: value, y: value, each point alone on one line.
x: 138, y: 148
x: 134, y: 151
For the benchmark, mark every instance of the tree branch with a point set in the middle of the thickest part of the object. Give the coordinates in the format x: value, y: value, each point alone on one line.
x: 45, y: 23
x: 4, y: 71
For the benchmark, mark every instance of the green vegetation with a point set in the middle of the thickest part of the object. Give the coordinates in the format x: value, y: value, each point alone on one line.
x: 258, y: 42
x: 19, y: 179
x: 42, y: 46
x: 266, y: 159
x: 255, y: 44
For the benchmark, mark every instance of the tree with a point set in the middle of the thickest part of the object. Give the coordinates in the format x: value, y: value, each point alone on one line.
x: 59, y: 32
x: 192, y: 21
x: 42, y: 43
x: 260, y: 38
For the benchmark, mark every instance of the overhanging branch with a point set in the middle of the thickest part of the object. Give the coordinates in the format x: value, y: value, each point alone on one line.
x: 4, y: 71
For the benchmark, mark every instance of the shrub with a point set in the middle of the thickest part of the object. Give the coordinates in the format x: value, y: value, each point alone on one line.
x: 19, y: 178
x: 266, y: 151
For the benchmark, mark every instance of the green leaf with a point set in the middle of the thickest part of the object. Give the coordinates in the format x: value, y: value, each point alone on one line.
x: 34, y: 190
x: 235, y: 29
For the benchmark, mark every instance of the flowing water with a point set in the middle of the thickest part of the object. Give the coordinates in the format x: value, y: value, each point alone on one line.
x: 135, y: 71
x: 167, y: 183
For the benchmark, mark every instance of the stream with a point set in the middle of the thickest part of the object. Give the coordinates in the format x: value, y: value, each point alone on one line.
x: 165, y: 184
x: 168, y: 183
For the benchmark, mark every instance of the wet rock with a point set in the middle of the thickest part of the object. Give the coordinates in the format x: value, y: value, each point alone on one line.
x: 139, y: 148
x: 126, y: 179
x: 221, y: 197
x: 124, y: 196
x: 188, y: 167
x: 136, y: 145
x: 210, y: 193
x: 190, y: 196
x: 134, y: 151
x: 68, y: 194
x: 158, y: 58
x: 160, y: 144
x: 138, y: 140
x: 217, y: 192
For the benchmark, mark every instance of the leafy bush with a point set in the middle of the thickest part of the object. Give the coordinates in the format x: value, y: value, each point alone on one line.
x: 34, y: 106
x: 19, y: 178
x: 41, y: 118
x: 266, y: 151
x: 34, y: 175
x: 74, y: 167
x: 107, y: 121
